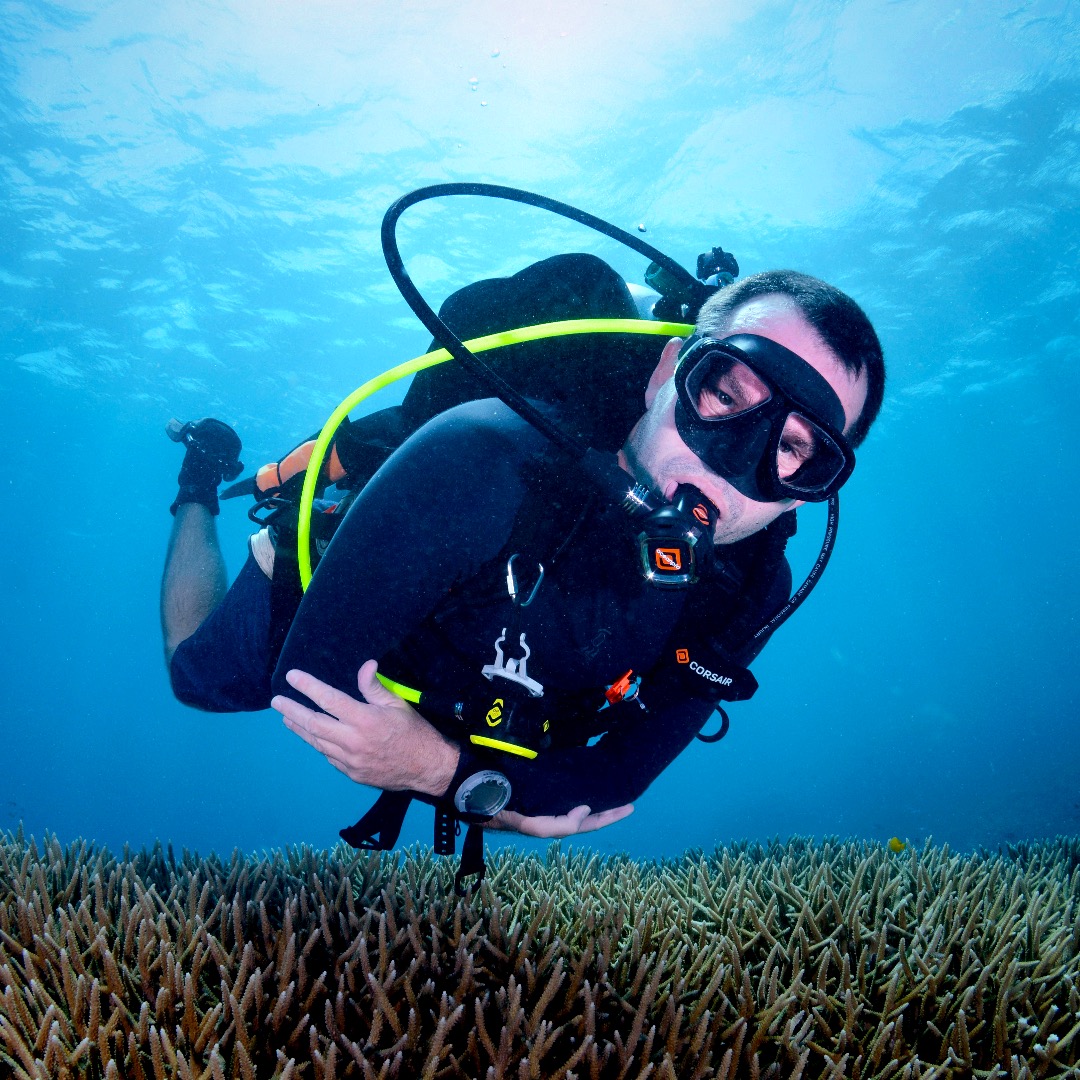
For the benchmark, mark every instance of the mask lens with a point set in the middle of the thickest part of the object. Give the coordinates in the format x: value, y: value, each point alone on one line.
x: 720, y: 386
x: 808, y: 459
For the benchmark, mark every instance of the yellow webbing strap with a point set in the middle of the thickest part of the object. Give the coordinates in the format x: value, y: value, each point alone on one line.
x: 505, y: 747
x: 409, y: 694
x: 439, y: 356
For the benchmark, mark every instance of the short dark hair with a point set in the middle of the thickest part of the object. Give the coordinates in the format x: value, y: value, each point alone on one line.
x: 840, y: 322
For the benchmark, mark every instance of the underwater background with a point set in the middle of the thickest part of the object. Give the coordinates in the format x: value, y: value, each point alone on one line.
x: 189, y: 226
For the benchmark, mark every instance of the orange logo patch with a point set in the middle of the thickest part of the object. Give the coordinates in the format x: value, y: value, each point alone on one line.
x: 668, y: 558
x: 682, y: 656
x: 701, y: 514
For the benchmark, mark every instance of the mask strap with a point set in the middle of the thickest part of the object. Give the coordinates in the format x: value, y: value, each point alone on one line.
x: 689, y: 343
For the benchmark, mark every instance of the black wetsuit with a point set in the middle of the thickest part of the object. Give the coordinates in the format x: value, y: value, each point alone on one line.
x: 414, y: 577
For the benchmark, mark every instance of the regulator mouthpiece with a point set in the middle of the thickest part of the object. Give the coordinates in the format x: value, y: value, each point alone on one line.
x: 676, y: 539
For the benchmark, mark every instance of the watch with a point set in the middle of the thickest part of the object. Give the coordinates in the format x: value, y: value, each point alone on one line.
x: 482, y: 793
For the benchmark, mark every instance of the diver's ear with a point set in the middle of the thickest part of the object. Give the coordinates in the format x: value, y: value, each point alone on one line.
x: 664, y: 369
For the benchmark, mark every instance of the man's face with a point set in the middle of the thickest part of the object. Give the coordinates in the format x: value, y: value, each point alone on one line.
x: 656, y: 454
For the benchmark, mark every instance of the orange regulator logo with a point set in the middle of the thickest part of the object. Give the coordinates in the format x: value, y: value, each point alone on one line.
x: 682, y: 656
x: 701, y: 514
x: 668, y: 559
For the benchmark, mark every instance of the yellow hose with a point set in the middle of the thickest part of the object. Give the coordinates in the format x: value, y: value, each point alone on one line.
x: 439, y: 356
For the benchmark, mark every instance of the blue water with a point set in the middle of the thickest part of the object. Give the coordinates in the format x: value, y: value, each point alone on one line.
x: 189, y: 226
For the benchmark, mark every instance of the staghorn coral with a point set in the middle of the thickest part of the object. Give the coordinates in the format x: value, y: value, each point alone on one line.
x: 790, y: 960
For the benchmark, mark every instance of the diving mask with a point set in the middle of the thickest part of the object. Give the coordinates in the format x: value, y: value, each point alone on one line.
x: 761, y: 417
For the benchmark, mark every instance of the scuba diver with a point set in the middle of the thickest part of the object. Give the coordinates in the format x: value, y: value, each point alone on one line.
x: 521, y: 636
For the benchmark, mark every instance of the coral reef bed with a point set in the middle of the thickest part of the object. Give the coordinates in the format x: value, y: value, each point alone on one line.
x: 789, y: 960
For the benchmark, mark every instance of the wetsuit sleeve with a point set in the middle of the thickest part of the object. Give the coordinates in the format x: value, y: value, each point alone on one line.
x: 617, y: 768
x: 441, y: 506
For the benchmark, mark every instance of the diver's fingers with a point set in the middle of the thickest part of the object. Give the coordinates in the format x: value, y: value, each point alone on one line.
x: 578, y: 820
x: 544, y: 828
x: 574, y: 819
x: 606, y: 817
x: 316, y: 729
x: 341, y: 766
x: 328, y: 698
x: 374, y: 692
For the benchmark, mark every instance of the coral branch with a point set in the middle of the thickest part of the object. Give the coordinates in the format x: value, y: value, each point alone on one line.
x: 794, y: 960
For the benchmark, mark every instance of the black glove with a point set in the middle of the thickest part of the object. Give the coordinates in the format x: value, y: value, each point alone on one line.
x: 213, y: 455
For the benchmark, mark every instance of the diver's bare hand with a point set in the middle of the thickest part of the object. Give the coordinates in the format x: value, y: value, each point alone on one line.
x: 578, y: 820
x: 382, y: 741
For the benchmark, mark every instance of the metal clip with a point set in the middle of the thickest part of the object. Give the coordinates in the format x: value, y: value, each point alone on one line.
x: 512, y: 587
